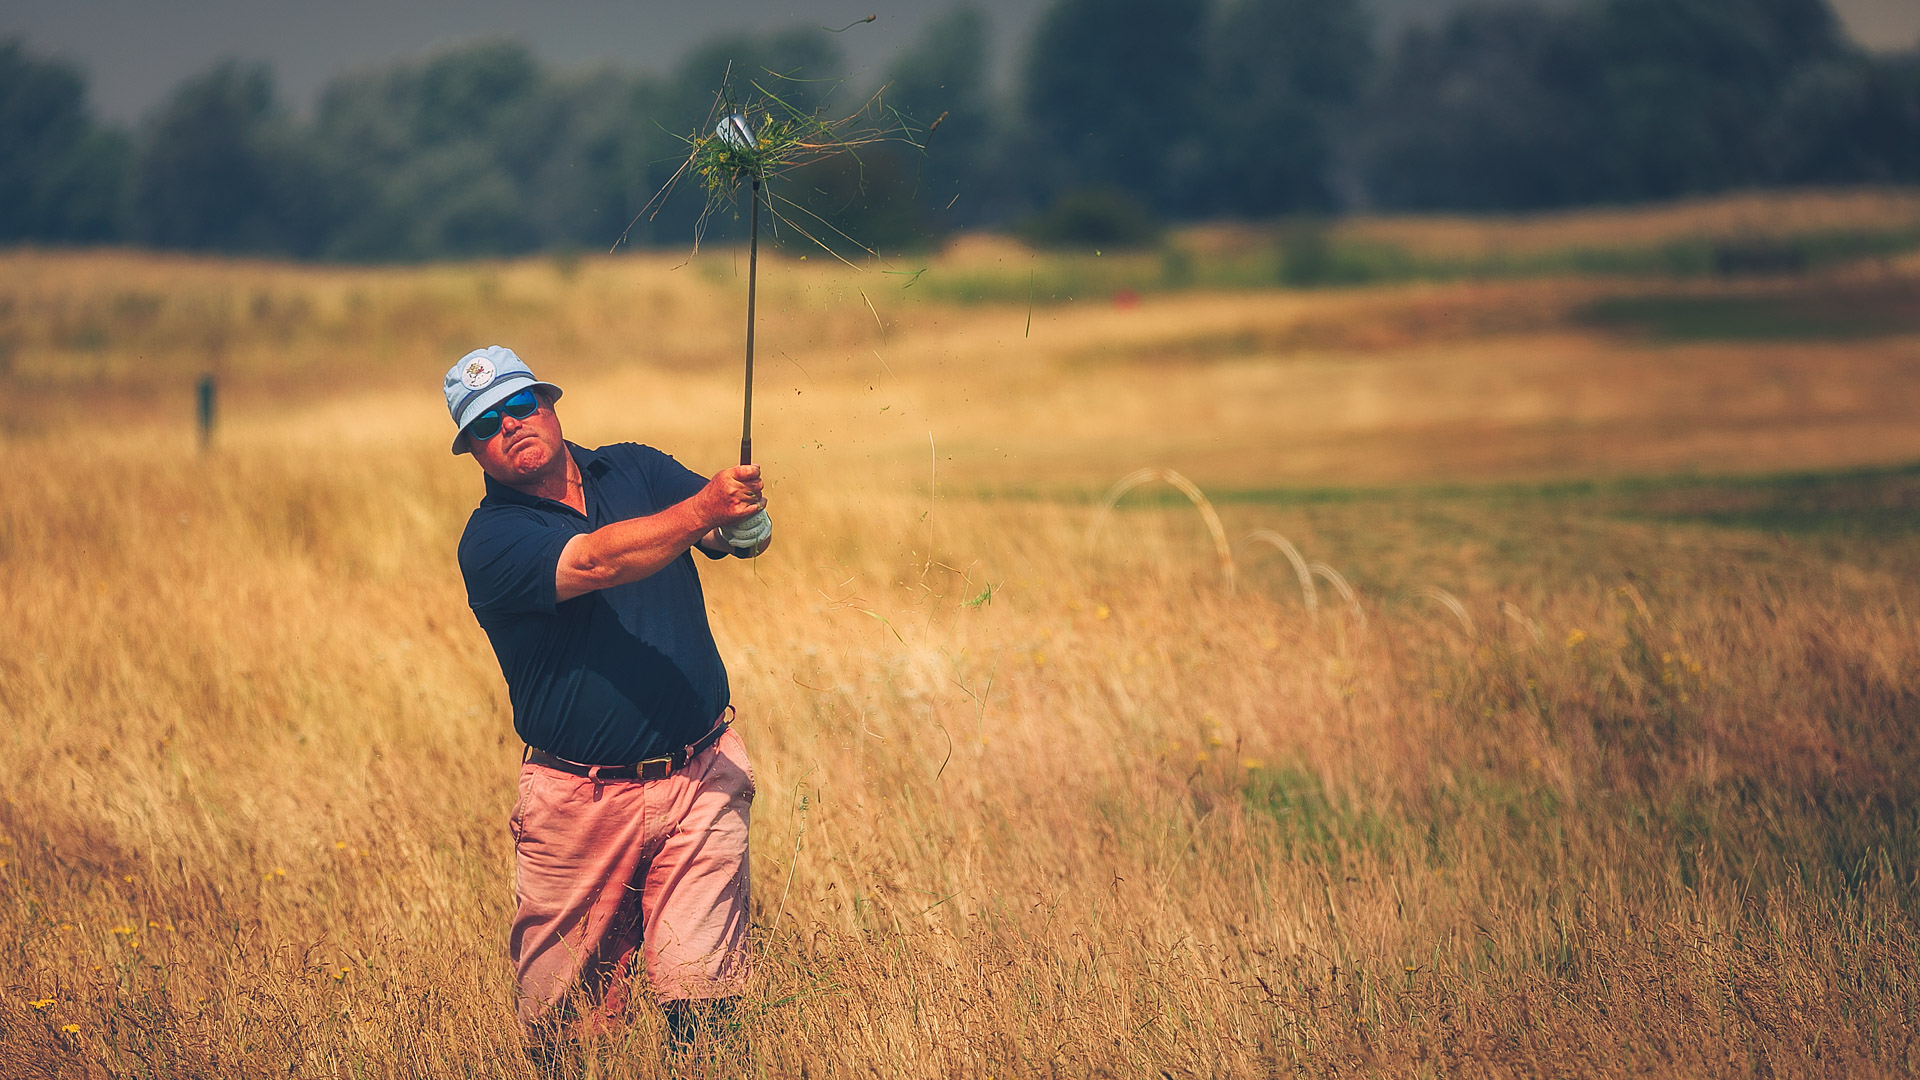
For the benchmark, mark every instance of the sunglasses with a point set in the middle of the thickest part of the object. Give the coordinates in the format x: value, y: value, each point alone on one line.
x: 487, y: 424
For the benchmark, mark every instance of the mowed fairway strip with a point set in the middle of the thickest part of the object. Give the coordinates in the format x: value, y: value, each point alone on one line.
x: 1031, y: 801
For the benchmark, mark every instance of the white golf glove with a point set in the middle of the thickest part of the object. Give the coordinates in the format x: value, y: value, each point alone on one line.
x: 748, y: 534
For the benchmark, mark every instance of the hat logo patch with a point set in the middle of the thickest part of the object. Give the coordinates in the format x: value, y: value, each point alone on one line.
x: 477, y: 373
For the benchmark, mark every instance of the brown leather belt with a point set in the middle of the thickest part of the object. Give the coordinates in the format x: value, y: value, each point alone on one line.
x: 657, y: 768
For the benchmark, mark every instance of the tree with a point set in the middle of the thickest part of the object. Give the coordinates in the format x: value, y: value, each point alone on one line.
x: 584, y: 157
x: 942, y: 80
x: 1691, y: 84
x: 1627, y: 100
x: 1281, y: 75
x: 218, y: 168
x: 433, y: 157
x: 1496, y: 108
x: 798, y: 65
x: 477, y: 92
x: 1848, y: 120
x: 61, y: 176
x: 1110, y: 96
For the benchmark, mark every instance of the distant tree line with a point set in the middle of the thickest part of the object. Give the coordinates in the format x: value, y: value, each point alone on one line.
x: 1124, y: 112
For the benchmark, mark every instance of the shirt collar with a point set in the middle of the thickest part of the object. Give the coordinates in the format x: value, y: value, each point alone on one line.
x: 592, y: 463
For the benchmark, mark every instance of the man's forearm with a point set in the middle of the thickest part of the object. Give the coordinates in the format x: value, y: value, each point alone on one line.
x: 627, y: 551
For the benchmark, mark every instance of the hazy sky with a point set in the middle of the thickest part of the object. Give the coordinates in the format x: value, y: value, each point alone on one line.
x: 134, y: 51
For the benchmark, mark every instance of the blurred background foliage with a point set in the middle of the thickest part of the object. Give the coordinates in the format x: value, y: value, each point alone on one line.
x: 1123, y: 115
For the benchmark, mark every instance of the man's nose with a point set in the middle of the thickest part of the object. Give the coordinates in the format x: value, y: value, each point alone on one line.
x: 508, y: 424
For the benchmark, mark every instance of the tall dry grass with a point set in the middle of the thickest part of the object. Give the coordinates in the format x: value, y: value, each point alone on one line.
x: 1028, y: 805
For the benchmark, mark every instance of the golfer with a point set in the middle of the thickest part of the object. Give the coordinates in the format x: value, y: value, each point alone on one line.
x: 630, y: 833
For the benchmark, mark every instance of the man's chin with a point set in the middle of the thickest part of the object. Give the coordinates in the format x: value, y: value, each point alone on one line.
x: 529, y: 461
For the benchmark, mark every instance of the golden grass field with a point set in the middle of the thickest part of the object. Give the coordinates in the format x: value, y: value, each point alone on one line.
x: 1035, y: 799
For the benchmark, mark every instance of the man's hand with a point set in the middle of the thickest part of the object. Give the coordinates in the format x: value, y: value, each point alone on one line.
x: 745, y: 535
x: 732, y: 496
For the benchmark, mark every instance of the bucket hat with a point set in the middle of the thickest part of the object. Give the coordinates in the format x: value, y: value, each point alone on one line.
x: 482, y: 379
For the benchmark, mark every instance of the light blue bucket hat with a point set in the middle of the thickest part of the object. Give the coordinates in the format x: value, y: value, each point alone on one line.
x: 482, y: 379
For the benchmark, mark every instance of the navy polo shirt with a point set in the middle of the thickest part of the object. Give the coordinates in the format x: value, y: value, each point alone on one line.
x: 612, y: 676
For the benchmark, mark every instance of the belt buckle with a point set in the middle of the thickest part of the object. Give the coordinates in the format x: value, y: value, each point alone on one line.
x: 654, y: 768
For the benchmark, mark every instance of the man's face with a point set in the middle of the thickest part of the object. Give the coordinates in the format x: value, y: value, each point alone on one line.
x: 524, y: 451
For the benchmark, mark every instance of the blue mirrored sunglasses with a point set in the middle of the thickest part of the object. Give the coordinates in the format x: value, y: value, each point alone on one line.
x: 487, y: 424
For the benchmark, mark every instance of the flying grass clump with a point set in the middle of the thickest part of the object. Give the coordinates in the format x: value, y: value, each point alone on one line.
x: 737, y: 149
x: 757, y: 148
x: 759, y: 140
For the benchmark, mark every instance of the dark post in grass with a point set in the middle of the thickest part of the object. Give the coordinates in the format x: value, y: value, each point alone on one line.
x: 205, y: 393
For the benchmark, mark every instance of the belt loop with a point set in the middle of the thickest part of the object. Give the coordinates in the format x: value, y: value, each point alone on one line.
x: 593, y: 774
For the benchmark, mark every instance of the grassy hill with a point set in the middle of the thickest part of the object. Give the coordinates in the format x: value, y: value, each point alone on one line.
x: 1576, y: 734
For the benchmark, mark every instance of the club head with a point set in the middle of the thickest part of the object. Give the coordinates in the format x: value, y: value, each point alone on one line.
x: 733, y: 131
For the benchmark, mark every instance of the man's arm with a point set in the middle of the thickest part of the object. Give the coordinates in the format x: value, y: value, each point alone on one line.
x: 629, y: 550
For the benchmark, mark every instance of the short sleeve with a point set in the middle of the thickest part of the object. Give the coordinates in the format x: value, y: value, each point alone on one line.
x: 508, y: 556
x: 671, y: 481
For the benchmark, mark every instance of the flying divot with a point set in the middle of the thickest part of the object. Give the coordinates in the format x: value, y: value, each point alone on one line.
x: 785, y: 139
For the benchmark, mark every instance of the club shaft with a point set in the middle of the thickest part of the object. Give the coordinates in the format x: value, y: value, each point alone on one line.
x: 753, y: 277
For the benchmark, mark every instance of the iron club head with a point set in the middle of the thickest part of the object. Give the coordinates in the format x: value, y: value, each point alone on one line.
x: 733, y: 131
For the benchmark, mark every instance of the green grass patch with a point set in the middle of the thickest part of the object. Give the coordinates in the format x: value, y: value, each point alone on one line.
x: 1479, y: 804
x: 1310, y: 822
x: 1819, y: 314
x: 1866, y: 503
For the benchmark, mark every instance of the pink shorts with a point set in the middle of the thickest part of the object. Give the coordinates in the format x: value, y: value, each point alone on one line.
x: 605, y: 869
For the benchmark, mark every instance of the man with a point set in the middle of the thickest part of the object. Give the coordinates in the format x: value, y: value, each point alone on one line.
x: 630, y: 833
